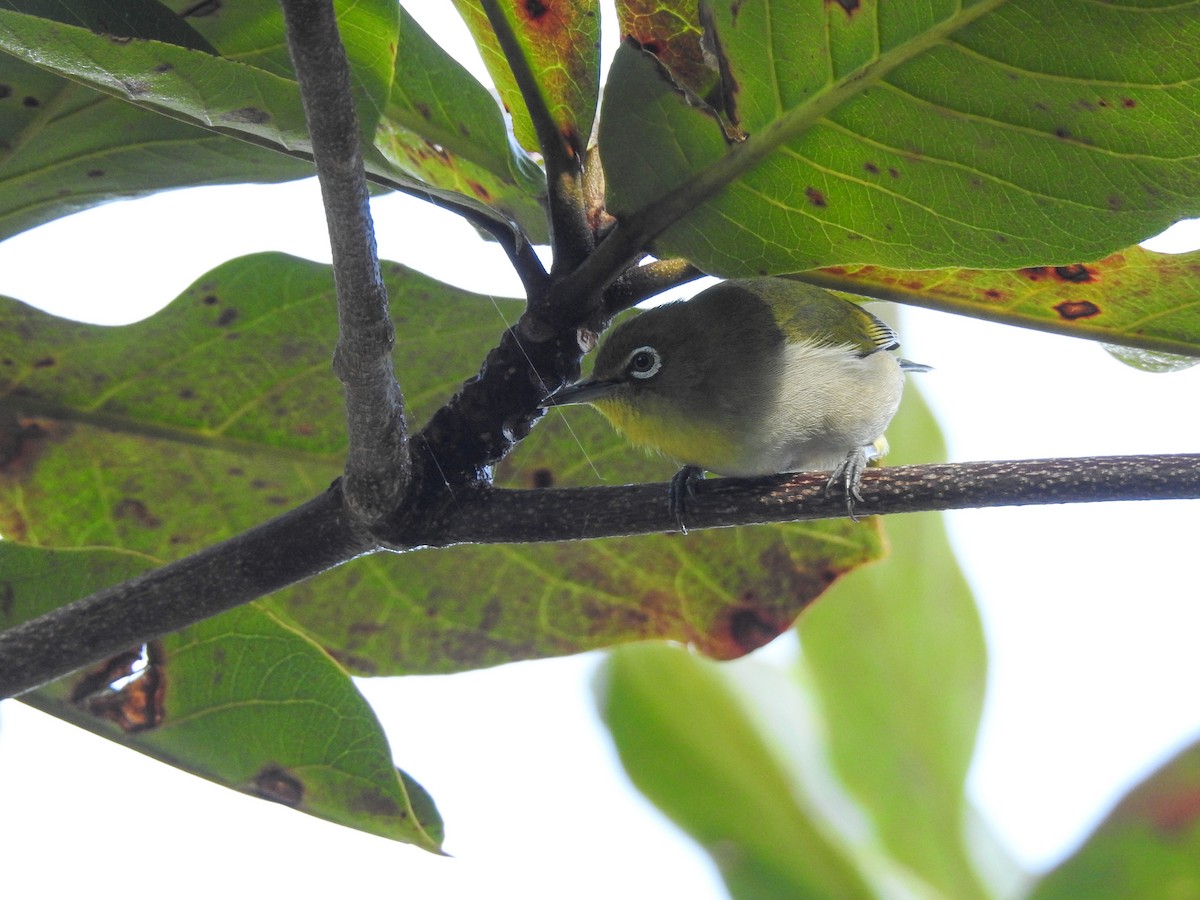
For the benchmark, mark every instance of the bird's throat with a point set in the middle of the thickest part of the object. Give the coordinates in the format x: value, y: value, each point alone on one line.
x: 686, y: 439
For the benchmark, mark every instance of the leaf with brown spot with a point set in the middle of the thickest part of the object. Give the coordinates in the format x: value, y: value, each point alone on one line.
x: 436, y: 102
x: 939, y: 135
x: 561, y: 42
x: 671, y: 31
x: 242, y: 700
x: 191, y: 437
x: 1134, y: 298
x: 72, y: 131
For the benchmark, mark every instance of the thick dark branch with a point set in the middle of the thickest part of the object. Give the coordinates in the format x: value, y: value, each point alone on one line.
x: 378, y: 466
x: 320, y: 535
x: 525, y: 516
x: 297, y: 545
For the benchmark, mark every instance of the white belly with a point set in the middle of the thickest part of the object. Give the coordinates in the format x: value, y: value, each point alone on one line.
x: 830, y: 403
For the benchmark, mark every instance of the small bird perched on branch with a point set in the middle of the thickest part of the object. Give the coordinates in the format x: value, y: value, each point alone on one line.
x: 751, y: 377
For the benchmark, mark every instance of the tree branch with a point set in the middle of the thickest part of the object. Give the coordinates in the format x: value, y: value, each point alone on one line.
x: 528, y: 516
x: 299, y: 544
x: 319, y: 535
x: 378, y: 466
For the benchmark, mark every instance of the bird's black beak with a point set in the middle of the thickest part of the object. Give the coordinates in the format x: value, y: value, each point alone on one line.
x: 579, y: 392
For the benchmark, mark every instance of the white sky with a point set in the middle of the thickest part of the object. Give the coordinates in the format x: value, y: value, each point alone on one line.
x: 1090, y: 612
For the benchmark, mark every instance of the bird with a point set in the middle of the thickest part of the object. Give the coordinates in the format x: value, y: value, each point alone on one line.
x: 751, y: 377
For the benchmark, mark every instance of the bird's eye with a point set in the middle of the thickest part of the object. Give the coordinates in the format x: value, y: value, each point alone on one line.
x: 644, y: 362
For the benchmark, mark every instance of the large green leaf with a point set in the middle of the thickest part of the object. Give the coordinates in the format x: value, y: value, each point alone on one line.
x: 242, y: 700
x: 884, y: 707
x: 995, y: 134
x: 166, y: 435
x: 560, y: 43
x: 689, y: 745
x: 896, y: 655
x: 1133, y: 298
x: 223, y: 94
x: 70, y: 146
x: 1148, y: 846
x: 65, y: 147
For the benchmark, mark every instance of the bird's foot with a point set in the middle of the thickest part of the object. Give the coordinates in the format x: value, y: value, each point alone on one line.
x: 847, y: 476
x: 683, y: 489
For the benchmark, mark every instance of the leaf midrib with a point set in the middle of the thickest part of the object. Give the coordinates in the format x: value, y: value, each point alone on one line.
x: 30, y: 407
x: 657, y: 217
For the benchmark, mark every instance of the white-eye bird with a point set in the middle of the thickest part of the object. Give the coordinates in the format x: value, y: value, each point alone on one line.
x: 751, y: 377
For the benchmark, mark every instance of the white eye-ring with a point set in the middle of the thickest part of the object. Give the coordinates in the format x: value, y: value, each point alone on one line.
x: 644, y: 362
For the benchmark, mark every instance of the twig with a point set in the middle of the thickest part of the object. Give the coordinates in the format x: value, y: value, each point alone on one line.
x: 569, y: 229
x: 530, y: 516
x: 640, y: 282
x: 378, y: 467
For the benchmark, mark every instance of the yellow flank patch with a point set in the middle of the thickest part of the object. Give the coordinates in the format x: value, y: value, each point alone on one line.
x: 684, y: 439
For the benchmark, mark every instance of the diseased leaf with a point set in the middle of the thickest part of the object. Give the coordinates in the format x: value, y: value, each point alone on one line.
x: 240, y: 699
x: 1135, y: 297
x: 195, y: 87
x: 913, y: 135
x: 671, y: 31
x: 561, y: 42
x: 147, y: 71
x: 896, y: 658
x: 1148, y: 846
x: 443, y: 127
x: 248, y: 93
x: 207, y: 418
x: 689, y: 745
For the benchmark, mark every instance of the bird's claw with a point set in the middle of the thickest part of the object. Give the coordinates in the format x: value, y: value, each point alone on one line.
x: 847, y: 476
x: 683, y: 489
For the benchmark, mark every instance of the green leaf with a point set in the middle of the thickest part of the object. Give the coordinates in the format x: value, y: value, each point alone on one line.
x: 195, y: 87
x: 561, y: 43
x: 912, y: 136
x: 1148, y: 846
x: 199, y: 422
x: 687, y: 743
x: 241, y: 699
x: 441, y: 126
x: 250, y: 93
x: 897, y: 659
x: 206, y: 418
x: 65, y: 147
x: 118, y: 19
x: 1134, y: 298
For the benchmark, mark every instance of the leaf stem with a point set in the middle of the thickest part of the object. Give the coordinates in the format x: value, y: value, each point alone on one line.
x: 570, y: 232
